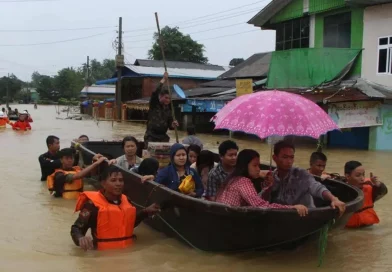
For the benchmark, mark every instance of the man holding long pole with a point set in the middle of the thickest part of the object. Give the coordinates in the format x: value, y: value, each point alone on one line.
x: 160, y: 117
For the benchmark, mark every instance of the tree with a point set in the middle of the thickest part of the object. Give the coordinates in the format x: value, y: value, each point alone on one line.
x: 98, y: 70
x: 177, y: 46
x: 43, y: 84
x: 14, y: 86
x: 68, y: 83
x: 236, y: 61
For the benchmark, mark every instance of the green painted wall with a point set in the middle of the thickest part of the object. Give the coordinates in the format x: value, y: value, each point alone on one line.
x: 356, y: 31
x: 291, y: 11
x: 317, y: 6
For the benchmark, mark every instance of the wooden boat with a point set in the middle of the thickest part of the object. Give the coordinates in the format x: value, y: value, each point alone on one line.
x: 211, y: 226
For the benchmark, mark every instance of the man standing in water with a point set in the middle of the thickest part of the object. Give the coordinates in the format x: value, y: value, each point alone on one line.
x: 159, y: 115
x: 50, y: 161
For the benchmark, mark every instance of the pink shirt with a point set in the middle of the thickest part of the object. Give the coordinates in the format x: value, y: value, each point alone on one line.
x: 241, y: 192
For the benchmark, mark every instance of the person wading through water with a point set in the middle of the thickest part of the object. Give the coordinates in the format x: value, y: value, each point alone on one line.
x: 159, y: 115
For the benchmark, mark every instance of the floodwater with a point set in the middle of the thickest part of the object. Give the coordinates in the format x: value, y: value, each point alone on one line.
x: 34, y: 228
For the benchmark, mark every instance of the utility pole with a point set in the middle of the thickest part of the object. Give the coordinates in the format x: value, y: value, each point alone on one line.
x: 120, y: 65
x: 87, y: 71
x: 8, y: 91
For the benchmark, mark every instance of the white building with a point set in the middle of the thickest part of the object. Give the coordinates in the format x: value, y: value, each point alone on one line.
x: 377, y: 44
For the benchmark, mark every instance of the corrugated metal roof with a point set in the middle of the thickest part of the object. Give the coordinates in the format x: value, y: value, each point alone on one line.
x: 176, y: 72
x: 102, y: 89
x: 255, y: 66
x: 223, y: 83
x: 179, y: 64
x: 367, y: 2
x: 203, y: 91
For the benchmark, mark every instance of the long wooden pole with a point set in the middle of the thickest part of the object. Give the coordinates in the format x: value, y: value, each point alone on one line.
x: 167, y: 81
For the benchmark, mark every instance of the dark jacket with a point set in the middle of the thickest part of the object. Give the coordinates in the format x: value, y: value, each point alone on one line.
x: 49, y: 163
x: 159, y: 119
x: 168, y: 176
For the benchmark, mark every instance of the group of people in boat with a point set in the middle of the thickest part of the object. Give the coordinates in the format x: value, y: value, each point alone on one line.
x: 23, y: 122
x: 235, y: 179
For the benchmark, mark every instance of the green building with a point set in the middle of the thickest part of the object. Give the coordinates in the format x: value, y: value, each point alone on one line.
x: 319, y: 54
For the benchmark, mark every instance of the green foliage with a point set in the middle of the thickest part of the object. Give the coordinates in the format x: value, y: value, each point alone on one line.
x: 236, y: 61
x: 68, y: 102
x: 14, y: 86
x: 177, y: 47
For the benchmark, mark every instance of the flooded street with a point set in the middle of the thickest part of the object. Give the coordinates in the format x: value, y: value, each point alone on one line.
x: 35, y: 228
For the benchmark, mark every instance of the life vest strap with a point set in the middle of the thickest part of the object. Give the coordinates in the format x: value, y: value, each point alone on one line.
x: 76, y: 190
x: 365, y: 208
x: 116, y: 239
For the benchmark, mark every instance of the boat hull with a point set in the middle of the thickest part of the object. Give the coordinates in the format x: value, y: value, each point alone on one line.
x: 211, y: 226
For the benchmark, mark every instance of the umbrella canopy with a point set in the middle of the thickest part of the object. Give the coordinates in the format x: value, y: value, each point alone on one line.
x: 274, y: 113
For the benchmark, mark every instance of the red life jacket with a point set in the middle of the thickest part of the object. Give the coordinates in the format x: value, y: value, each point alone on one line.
x: 366, y: 216
x: 115, y: 223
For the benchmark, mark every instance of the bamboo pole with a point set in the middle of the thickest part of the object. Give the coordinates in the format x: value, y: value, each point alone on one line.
x: 167, y: 81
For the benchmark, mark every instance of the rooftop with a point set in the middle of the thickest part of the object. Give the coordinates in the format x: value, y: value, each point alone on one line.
x: 178, y: 64
x: 255, y: 66
x: 101, y: 89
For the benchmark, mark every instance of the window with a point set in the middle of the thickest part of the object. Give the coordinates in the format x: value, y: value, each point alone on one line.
x: 292, y: 34
x: 337, y: 30
x: 385, y: 55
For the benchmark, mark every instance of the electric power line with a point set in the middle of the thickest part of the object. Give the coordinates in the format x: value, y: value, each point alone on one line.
x: 52, y: 30
x: 201, y: 18
x: 26, y: 1
x: 55, y: 42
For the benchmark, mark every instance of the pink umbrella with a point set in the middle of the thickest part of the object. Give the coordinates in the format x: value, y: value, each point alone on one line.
x: 274, y: 113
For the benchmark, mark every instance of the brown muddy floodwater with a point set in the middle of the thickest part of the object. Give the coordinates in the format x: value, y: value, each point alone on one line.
x: 34, y: 228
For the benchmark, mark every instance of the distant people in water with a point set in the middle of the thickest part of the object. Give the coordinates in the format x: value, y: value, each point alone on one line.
x: 35, y: 106
x: 372, y: 189
x: 23, y: 123
x: 191, y: 139
x: 238, y: 189
x: 318, y: 163
x: 3, y: 120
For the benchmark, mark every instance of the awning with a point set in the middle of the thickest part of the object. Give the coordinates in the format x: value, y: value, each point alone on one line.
x: 306, y: 68
x: 106, y: 81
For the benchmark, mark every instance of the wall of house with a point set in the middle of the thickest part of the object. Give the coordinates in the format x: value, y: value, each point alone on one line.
x: 356, y: 31
x: 377, y: 23
x: 293, y: 10
x: 381, y: 136
x: 316, y: 6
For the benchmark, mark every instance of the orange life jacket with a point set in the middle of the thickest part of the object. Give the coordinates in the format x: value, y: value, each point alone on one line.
x: 366, y: 216
x: 70, y: 190
x: 20, y: 125
x: 115, y: 223
x: 3, y: 122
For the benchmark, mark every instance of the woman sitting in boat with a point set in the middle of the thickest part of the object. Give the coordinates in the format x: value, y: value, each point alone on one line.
x: 129, y: 159
x: 372, y: 189
x: 239, y: 191
x: 205, y: 162
x: 193, y: 153
x: 67, y: 182
x: 22, y: 123
x: 148, y: 169
x: 178, y: 174
x: 109, y: 214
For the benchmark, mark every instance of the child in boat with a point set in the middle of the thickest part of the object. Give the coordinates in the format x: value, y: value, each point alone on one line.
x: 193, y: 153
x: 318, y: 162
x: 203, y: 165
x: 372, y: 189
x: 191, y: 139
x: 148, y: 169
x: 22, y: 123
x: 178, y: 171
x: 238, y: 190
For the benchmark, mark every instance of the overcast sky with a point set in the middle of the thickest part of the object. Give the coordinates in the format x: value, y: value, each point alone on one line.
x: 101, y: 17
